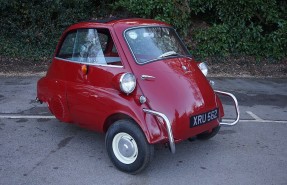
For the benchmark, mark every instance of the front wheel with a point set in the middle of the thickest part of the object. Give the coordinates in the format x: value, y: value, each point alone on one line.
x: 127, y: 146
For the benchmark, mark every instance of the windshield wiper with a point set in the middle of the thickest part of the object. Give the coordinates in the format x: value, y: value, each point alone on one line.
x: 167, y: 54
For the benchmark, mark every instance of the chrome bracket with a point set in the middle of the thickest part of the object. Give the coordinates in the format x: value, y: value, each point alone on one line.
x: 168, y: 127
x: 235, y: 105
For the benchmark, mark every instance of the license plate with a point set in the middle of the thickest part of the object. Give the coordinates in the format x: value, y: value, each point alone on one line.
x: 203, y: 118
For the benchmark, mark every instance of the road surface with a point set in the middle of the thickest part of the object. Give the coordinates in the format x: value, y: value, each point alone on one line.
x: 35, y: 148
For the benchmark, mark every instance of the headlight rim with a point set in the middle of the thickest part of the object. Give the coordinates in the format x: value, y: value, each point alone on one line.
x: 121, y: 83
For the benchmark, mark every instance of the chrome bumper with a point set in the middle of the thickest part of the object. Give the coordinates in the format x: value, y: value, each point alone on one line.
x: 168, y: 126
x: 235, y: 105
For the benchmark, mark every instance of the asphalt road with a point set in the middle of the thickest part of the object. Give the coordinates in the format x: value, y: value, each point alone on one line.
x: 37, y: 149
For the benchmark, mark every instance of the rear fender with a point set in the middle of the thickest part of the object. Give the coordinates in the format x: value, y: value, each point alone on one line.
x: 53, y: 93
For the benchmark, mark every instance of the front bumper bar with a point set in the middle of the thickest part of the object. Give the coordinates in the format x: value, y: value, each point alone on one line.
x: 235, y: 105
x: 168, y: 124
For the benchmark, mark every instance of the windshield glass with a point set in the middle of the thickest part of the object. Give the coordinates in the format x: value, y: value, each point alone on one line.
x: 152, y: 43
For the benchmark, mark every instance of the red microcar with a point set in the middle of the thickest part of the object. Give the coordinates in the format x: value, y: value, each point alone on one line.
x: 135, y: 81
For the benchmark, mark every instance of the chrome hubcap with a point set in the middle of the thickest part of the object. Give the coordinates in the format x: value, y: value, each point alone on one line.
x: 125, y: 148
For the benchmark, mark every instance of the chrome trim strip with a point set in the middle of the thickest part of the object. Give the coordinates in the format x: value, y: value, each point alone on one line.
x: 147, y: 77
x: 90, y: 64
x: 235, y: 104
x: 168, y: 126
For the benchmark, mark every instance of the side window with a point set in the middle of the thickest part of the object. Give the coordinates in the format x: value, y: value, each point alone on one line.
x: 114, y: 50
x: 67, y: 48
x: 103, y: 40
x: 90, y: 46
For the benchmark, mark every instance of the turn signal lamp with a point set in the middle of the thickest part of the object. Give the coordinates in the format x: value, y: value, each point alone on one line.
x: 84, y: 69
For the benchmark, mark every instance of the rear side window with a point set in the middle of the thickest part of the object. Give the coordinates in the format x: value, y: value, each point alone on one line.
x: 93, y: 46
x: 68, y: 46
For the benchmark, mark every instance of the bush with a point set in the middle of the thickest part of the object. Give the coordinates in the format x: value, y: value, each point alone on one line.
x: 175, y: 12
x: 245, y: 27
x: 31, y: 28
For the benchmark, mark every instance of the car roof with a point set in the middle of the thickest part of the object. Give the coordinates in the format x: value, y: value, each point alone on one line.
x: 123, y: 22
x: 115, y: 20
x: 105, y: 20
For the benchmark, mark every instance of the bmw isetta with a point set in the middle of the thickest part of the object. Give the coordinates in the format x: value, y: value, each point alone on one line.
x: 135, y: 81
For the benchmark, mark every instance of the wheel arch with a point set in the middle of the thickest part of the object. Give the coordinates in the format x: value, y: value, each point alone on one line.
x: 148, y: 125
x: 113, y: 118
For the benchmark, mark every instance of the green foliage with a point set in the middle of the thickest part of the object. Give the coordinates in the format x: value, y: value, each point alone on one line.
x: 244, y: 27
x: 235, y: 27
x: 31, y: 28
x: 175, y: 12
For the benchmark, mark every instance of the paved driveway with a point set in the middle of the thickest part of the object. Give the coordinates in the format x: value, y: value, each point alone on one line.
x: 37, y: 149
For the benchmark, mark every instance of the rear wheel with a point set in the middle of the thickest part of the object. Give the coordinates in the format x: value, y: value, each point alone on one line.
x: 127, y: 146
x: 208, y: 135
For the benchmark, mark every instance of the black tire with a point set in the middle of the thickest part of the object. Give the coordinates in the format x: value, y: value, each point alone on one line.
x: 135, y: 153
x: 191, y: 139
x: 208, y: 135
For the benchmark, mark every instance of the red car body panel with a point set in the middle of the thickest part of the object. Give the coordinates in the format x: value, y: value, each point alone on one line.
x: 165, y: 93
x: 94, y: 100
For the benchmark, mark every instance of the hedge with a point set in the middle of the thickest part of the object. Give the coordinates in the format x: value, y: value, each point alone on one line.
x: 234, y: 27
x: 31, y: 28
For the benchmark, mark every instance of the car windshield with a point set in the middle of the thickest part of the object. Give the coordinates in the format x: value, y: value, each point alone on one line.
x: 152, y: 43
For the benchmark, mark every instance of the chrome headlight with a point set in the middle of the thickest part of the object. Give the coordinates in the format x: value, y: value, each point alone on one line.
x: 127, y: 83
x: 203, y: 67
